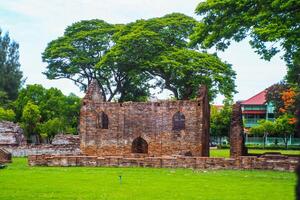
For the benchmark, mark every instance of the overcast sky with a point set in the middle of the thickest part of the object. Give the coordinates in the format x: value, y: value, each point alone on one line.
x: 34, y: 23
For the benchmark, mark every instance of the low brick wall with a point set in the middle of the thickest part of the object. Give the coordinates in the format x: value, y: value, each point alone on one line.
x: 243, y: 162
x: 5, y: 156
x: 26, y: 150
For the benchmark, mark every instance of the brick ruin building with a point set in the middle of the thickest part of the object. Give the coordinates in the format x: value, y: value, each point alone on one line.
x: 156, y: 134
x: 150, y: 128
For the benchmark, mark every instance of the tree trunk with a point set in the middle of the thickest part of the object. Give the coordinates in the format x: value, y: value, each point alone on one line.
x: 285, y: 139
x: 264, y: 141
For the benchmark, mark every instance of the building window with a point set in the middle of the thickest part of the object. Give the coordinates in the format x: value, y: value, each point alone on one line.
x: 102, y: 120
x: 178, y: 121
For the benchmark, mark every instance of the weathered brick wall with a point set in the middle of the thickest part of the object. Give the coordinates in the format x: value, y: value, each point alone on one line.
x: 152, y: 121
x: 243, y: 162
x: 26, y: 150
x: 66, y: 139
x: 5, y: 156
x: 236, y: 133
x: 61, y: 145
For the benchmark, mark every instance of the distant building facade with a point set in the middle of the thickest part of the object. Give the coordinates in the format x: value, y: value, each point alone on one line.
x: 256, y: 108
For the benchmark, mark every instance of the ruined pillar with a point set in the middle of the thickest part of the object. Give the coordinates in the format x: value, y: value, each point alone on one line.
x: 237, y: 138
x: 203, y: 100
x: 88, y: 118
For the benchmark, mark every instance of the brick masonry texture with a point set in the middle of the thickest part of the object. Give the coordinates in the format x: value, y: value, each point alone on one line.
x: 61, y: 145
x: 284, y: 163
x: 237, y: 139
x: 5, y: 156
x: 26, y: 150
x: 151, y: 122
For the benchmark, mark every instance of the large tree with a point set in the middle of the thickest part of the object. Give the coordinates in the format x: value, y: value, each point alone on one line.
x: 274, y: 96
x: 158, y: 49
x: 52, y: 104
x: 75, y: 55
x: 128, y: 60
x: 30, y: 120
x: 271, y: 25
x: 10, y: 73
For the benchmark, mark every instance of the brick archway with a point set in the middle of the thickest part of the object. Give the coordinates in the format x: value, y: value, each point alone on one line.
x: 139, y: 145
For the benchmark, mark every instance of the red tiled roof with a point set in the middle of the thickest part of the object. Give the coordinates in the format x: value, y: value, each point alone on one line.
x: 258, y: 99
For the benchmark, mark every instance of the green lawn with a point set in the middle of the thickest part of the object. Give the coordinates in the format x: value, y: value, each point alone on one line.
x: 18, y: 181
x: 225, y: 152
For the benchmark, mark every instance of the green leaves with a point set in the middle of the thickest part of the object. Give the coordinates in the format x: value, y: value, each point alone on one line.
x: 220, y: 120
x: 46, y: 105
x: 183, y: 70
x: 75, y: 55
x: 7, y: 114
x: 31, y: 116
x: 10, y: 73
x: 128, y: 60
x: 271, y: 25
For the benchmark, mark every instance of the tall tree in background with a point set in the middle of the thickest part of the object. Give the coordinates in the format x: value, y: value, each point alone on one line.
x: 10, y: 74
x: 53, y: 104
x: 75, y: 55
x: 30, y: 120
x: 274, y: 96
x: 220, y: 120
x: 271, y: 25
x: 128, y: 60
x: 284, y: 98
x: 158, y: 49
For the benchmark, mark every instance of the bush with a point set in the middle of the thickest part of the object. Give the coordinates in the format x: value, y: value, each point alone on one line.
x: 7, y: 115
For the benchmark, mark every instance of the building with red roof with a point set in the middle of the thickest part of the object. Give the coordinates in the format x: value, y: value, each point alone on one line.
x: 256, y: 108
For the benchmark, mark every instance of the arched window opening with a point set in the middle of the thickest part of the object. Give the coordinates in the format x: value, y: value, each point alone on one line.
x: 178, y: 121
x: 139, y: 145
x: 102, y: 120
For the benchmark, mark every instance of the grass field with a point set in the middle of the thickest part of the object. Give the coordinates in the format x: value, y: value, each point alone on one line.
x: 20, y: 182
x: 225, y: 152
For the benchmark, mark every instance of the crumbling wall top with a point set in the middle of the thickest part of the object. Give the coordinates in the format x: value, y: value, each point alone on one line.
x: 93, y: 93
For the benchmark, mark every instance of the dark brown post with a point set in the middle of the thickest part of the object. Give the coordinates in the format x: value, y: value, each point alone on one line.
x: 203, y: 100
x: 237, y: 139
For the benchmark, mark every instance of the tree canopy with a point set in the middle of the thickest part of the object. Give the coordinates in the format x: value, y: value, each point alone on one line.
x: 283, y: 98
x: 30, y: 119
x: 220, y: 120
x: 271, y: 25
x: 52, y: 104
x: 128, y: 60
x: 10, y: 73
